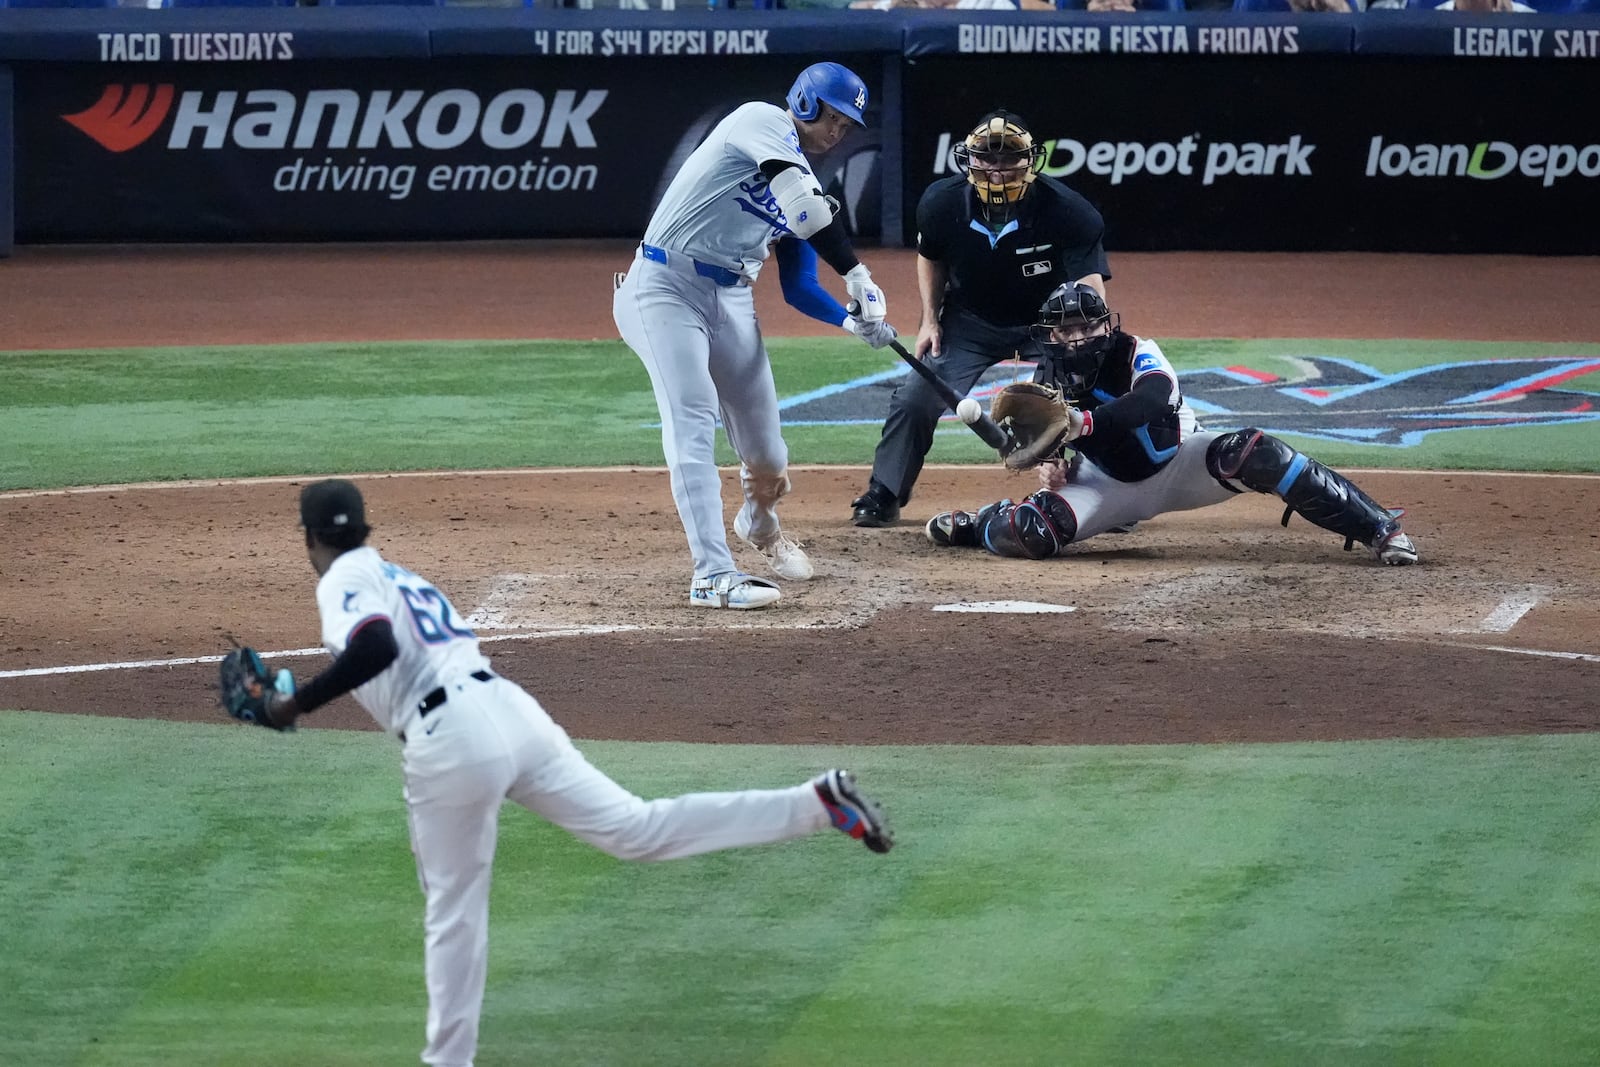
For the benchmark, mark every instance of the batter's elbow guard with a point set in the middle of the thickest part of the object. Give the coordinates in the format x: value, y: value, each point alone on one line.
x: 1037, y: 528
x: 804, y: 207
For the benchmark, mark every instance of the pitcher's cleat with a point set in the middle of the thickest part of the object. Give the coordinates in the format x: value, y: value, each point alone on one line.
x: 853, y: 813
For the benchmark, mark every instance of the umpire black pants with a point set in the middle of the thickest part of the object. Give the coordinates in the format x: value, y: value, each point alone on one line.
x: 970, y: 346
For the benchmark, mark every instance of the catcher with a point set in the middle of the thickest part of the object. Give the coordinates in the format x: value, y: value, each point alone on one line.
x: 1107, y: 427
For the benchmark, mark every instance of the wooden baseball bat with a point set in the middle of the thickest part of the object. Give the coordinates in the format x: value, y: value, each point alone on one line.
x: 985, y: 427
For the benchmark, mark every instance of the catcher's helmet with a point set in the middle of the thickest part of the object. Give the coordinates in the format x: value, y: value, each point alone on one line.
x: 828, y: 83
x: 1075, y: 364
x: 1000, y: 161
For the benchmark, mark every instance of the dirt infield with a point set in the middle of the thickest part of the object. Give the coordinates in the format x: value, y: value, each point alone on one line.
x: 1207, y: 626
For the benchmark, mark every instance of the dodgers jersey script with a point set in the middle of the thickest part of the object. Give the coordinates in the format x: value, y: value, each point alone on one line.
x: 435, y: 644
x: 718, y: 208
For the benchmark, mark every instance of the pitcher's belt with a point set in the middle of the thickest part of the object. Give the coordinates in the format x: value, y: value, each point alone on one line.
x: 440, y: 695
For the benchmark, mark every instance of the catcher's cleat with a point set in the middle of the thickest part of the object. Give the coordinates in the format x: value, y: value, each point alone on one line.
x: 953, y: 529
x: 1393, y: 548
x: 851, y: 812
x: 876, y: 507
x: 783, y: 553
x: 732, y: 589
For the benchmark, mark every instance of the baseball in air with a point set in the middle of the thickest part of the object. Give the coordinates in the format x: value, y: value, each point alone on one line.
x: 969, y: 410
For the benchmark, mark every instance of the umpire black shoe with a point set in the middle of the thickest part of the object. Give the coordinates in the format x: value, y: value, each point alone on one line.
x: 876, y: 507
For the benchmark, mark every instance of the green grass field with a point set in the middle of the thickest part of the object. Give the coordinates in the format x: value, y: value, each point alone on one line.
x: 178, y: 895
x: 1375, y: 903
x: 148, y: 414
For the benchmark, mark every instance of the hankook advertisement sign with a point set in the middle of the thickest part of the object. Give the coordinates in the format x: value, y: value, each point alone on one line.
x: 381, y: 150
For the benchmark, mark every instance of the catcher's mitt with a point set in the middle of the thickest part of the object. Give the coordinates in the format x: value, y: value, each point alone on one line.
x: 246, y: 687
x: 1039, y: 421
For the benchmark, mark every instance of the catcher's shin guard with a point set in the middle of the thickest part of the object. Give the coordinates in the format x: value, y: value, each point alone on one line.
x: 1037, y: 528
x: 1251, y: 459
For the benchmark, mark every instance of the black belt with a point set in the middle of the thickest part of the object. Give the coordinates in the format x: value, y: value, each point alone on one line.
x: 440, y: 695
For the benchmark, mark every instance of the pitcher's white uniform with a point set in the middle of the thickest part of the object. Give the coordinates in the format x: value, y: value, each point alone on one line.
x: 483, y: 739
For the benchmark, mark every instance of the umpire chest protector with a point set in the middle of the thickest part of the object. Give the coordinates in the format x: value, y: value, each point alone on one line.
x: 1003, y: 276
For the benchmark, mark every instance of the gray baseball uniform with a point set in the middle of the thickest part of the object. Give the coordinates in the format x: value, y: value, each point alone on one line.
x: 687, y: 310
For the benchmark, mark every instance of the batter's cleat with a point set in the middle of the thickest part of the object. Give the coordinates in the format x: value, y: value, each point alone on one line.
x: 851, y: 812
x: 732, y: 589
x: 783, y: 553
x: 1393, y: 548
x: 876, y: 507
x: 953, y: 529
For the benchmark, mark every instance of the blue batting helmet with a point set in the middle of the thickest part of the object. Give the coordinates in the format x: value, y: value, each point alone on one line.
x: 828, y: 83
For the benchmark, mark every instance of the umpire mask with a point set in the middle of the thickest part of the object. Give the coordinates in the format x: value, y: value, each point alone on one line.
x: 1079, y: 312
x: 1000, y: 161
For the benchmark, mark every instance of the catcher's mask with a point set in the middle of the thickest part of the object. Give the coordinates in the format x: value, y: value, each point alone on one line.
x: 1000, y: 161
x: 1076, y: 331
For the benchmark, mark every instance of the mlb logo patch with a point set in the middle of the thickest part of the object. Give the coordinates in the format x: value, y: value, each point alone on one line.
x: 1036, y: 268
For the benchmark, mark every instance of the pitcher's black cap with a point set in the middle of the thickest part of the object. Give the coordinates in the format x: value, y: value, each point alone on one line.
x: 330, y: 505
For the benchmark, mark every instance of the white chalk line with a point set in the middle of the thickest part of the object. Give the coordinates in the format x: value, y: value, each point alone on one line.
x: 586, y: 631
x: 505, y: 591
x: 521, y: 472
x: 1584, y: 657
x: 1507, y: 613
x: 291, y: 653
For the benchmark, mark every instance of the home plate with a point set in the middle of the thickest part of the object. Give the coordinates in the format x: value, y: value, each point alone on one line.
x: 1008, y: 607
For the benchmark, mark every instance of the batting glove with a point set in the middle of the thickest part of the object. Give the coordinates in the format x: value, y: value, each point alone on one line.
x: 858, y: 282
x: 877, y: 334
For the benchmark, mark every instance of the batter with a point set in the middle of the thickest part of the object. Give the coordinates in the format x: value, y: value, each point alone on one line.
x: 1137, y: 452
x: 687, y: 310
x: 474, y: 739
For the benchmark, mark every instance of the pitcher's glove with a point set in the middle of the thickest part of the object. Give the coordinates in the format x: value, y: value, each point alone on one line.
x: 247, y: 689
x: 1039, y: 421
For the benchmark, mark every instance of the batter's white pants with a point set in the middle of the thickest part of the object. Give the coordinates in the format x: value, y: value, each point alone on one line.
x: 490, y: 741
x: 701, y: 344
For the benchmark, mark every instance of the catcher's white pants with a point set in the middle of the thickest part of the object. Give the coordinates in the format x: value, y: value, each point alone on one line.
x: 490, y: 741
x: 1100, y: 502
x: 701, y: 344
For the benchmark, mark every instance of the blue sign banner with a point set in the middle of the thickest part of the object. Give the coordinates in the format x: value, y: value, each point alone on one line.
x: 1481, y: 36
x: 1151, y: 34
